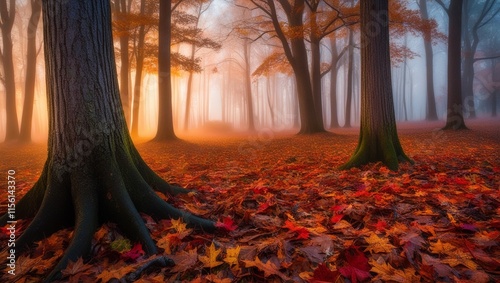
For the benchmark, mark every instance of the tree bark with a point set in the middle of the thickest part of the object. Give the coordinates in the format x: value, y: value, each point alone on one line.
x: 378, y: 139
x: 139, y: 66
x: 93, y: 172
x: 248, y: 85
x: 7, y: 16
x: 165, y: 119
x: 29, y: 86
x: 334, y: 120
x: 122, y: 9
x: 455, y: 116
x: 431, y: 113
x: 350, y: 69
x: 316, y: 67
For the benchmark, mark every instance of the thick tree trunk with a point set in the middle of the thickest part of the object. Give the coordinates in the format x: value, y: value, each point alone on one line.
x: 165, y: 118
x: 29, y: 86
x: 378, y: 139
x: 431, y: 113
x: 316, y: 69
x: 350, y: 69
x: 7, y: 15
x: 93, y: 172
x: 455, y: 116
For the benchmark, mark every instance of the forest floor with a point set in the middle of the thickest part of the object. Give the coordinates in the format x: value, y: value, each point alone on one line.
x: 287, y: 214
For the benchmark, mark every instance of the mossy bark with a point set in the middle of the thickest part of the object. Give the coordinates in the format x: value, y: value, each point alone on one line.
x: 378, y: 140
x: 93, y: 172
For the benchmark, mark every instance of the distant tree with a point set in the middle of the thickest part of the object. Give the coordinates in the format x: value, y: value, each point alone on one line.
x: 378, y: 139
x: 478, y: 15
x: 454, y: 116
x: 7, y: 16
x: 431, y: 113
x: 93, y: 172
x: 29, y: 84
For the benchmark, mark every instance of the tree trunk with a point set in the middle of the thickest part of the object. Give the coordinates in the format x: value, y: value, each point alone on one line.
x: 378, y: 139
x: 316, y: 69
x: 122, y: 9
x: 29, y: 87
x: 139, y: 66
x: 431, y: 114
x: 248, y: 85
x: 350, y: 69
x: 334, y: 120
x: 93, y: 172
x: 455, y: 116
x: 165, y: 118
x: 7, y: 15
x: 189, y: 92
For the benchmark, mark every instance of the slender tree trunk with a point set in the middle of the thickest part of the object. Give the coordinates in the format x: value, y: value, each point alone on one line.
x: 334, y: 120
x: 350, y: 69
x: 189, y: 91
x: 7, y: 16
x: 165, y: 118
x: 455, y: 116
x: 122, y: 9
x: 378, y: 139
x: 405, y: 112
x: 431, y: 113
x: 139, y: 66
x: 29, y: 87
x: 247, y: 49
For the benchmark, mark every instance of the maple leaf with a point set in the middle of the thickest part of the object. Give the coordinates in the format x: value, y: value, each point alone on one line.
x: 179, y: 225
x: 135, y: 253
x: 210, y: 258
x: 442, y: 248
x: 322, y: 274
x: 388, y: 273
x: 378, y: 245
x: 115, y: 273
x: 184, y: 260
x: 75, y: 267
x: 357, y: 268
x: 120, y: 245
x: 302, y: 232
x: 232, y: 255
x: 226, y: 224
x: 336, y: 218
x: 269, y: 268
x: 460, y: 257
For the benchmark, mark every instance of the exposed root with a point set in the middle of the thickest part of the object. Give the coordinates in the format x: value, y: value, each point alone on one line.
x: 111, y: 186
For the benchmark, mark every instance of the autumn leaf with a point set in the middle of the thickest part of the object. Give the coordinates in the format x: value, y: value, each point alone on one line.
x: 302, y: 232
x: 179, y: 225
x: 120, y: 245
x: 322, y: 274
x: 210, y: 258
x: 269, y: 268
x: 357, y: 267
x: 378, y: 245
x: 135, y: 253
x: 232, y: 255
x: 184, y: 260
x: 442, y: 248
x: 75, y: 268
x: 226, y: 224
x: 388, y: 273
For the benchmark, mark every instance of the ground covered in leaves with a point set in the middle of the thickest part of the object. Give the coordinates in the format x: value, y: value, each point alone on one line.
x: 288, y: 215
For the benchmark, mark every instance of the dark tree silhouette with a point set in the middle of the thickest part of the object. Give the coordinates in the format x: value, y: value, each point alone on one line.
x: 29, y: 84
x: 378, y: 140
x: 455, y: 116
x: 93, y: 172
x: 7, y: 16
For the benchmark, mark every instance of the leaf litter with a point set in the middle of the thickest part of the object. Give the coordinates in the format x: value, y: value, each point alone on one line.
x: 286, y: 214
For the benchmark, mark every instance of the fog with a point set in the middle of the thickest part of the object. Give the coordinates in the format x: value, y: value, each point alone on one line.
x: 219, y: 102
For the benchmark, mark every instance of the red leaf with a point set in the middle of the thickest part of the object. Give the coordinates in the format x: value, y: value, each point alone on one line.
x: 134, y: 253
x: 381, y: 225
x: 336, y: 218
x: 227, y: 224
x: 357, y: 268
x: 302, y: 232
x: 322, y: 274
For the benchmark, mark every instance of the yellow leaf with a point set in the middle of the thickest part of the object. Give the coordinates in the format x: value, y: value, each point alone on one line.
x: 210, y: 257
x: 442, y: 248
x: 164, y: 243
x: 232, y: 255
x: 459, y: 257
x: 178, y: 225
x: 378, y: 245
x: 388, y: 273
x: 269, y: 268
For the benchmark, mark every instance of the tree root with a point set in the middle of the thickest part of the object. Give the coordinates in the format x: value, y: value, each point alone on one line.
x: 111, y: 186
